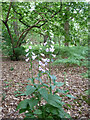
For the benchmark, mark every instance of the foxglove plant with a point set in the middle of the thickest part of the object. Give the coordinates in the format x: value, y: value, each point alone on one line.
x: 43, y: 102
x: 30, y: 56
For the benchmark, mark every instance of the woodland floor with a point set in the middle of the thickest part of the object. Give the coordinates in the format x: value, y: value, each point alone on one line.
x: 17, y: 80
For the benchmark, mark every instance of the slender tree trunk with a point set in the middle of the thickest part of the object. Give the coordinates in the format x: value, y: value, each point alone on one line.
x: 66, y: 28
x: 15, y: 26
x: 45, y: 38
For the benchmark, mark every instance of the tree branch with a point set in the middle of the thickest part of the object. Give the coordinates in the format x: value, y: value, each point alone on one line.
x: 21, y: 17
x: 27, y: 30
x: 35, y: 25
x: 12, y: 41
x: 8, y: 12
x: 57, y: 12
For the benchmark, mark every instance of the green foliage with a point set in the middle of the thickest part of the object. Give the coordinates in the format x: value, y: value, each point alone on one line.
x: 76, y: 55
x: 11, y: 68
x: 7, y: 47
x: 25, y: 14
x: 85, y: 75
x: 42, y: 103
x: 43, y: 100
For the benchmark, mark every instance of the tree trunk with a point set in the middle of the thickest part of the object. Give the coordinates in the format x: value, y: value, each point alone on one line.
x: 15, y: 26
x: 66, y: 29
x: 45, y: 38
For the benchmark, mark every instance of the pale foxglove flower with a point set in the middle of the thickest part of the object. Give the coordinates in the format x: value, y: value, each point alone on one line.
x: 43, y: 70
x: 27, y: 50
x: 41, y: 44
x: 40, y: 48
x: 42, y: 54
x: 43, y: 65
x: 46, y: 63
x: 33, y: 57
x: 40, y: 69
x: 33, y: 53
x: 52, y: 42
x: 52, y: 49
x: 45, y: 43
x: 52, y: 46
x: 48, y: 60
x: 47, y: 49
x: 53, y: 55
x: 40, y: 63
x: 30, y: 47
x: 67, y: 83
x: 44, y: 60
x: 27, y: 59
x: 31, y: 42
x: 47, y: 69
x: 27, y: 54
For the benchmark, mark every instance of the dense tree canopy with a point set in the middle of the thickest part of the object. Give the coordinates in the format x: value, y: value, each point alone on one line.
x: 49, y: 19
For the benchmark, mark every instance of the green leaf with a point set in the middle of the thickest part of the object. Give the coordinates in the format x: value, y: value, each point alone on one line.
x: 30, y: 90
x: 45, y: 85
x: 38, y: 112
x: 70, y: 96
x: 31, y: 79
x: 61, y: 91
x: 39, y: 79
x: 54, y: 100
x: 59, y: 84
x: 33, y: 102
x: 22, y: 110
x: 53, y: 77
x: 68, y: 105
x: 38, y: 86
x: 23, y: 104
x: 44, y: 93
x: 53, y: 86
x: 50, y: 117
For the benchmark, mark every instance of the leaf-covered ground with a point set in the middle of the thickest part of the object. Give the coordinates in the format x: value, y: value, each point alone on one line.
x: 16, y: 73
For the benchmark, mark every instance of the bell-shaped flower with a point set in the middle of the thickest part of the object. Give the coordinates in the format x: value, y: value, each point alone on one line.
x: 48, y: 60
x: 45, y: 43
x: 52, y: 46
x: 41, y: 69
x: 52, y: 42
x: 27, y: 59
x: 30, y: 47
x: 33, y: 53
x: 52, y: 49
x: 27, y: 54
x: 42, y: 54
x: 40, y: 63
x: 33, y: 57
x: 27, y: 50
x: 46, y: 63
x: 47, y: 49
x: 53, y: 55
x: 47, y: 69
x: 44, y: 60
x: 40, y: 48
